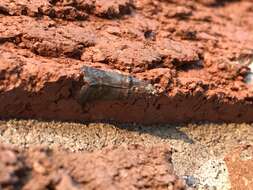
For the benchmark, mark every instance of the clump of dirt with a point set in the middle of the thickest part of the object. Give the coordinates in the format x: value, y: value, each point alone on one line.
x: 125, y: 167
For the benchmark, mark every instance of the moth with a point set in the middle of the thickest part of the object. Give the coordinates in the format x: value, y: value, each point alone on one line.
x: 111, y: 85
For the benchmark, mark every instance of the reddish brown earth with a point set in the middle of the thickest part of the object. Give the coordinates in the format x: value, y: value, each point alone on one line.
x: 240, y: 164
x: 125, y: 167
x: 195, y: 54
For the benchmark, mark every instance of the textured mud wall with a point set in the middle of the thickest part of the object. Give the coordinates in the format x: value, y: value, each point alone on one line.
x: 194, y: 53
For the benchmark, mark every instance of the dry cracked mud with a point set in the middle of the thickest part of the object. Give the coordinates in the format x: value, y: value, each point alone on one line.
x: 131, y: 62
x: 195, y: 55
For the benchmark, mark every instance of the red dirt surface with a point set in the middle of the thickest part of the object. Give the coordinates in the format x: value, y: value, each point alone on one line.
x: 195, y: 53
x: 240, y: 164
x: 131, y: 167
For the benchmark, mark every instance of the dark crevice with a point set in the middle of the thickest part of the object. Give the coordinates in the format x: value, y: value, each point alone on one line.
x: 188, y: 65
x: 159, y: 63
x: 13, y: 39
x: 76, y: 53
x: 4, y: 11
x: 219, y: 3
x: 53, y: 2
x: 150, y: 35
x: 23, y: 175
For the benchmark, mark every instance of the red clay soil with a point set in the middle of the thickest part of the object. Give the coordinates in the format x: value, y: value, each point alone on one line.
x: 132, y: 167
x: 194, y: 53
x: 240, y: 163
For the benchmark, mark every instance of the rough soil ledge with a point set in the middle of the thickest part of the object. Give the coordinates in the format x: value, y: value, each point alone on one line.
x: 196, y: 54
